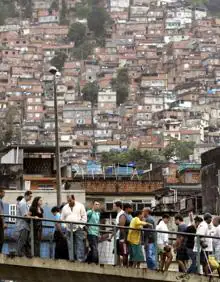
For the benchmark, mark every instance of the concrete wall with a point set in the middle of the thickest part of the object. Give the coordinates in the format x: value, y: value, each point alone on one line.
x: 38, y: 270
x: 49, y: 197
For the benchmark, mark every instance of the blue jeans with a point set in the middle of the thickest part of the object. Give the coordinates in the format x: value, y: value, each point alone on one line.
x: 151, y: 256
x: 192, y: 256
x: 77, y: 247
x: 93, y: 255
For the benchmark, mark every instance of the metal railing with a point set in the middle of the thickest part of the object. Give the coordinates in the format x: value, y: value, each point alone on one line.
x: 103, y: 229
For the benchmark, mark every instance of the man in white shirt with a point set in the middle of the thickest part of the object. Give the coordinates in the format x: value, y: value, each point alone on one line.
x: 216, y: 242
x: 120, y: 250
x: 204, y: 228
x: 164, y: 250
x: 23, y: 226
x: 75, y: 212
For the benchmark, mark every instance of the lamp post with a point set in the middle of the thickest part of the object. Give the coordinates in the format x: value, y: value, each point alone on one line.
x: 56, y: 74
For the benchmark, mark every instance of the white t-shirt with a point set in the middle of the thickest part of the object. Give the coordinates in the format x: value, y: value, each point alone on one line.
x: 206, y: 230
x: 117, y: 223
x: 216, y: 242
x: 162, y: 238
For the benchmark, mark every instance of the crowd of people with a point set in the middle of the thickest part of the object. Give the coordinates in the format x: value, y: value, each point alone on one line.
x: 139, y: 239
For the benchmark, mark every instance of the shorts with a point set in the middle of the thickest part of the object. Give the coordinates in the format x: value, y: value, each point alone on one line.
x: 122, y: 248
x: 203, y: 258
x: 182, y: 254
x: 136, y: 253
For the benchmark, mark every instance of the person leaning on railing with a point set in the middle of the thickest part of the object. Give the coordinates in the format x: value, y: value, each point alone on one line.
x: 134, y: 239
x: 75, y: 212
x: 61, y: 248
x: 93, y: 217
x: 164, y: 249
x: 2, y: 224
x: 23, y: 226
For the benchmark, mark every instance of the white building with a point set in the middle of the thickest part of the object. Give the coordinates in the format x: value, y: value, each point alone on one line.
x: 106, y: 100
x: 119, y: 5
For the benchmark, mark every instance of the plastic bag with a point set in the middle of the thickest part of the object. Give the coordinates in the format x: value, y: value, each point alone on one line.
x: 213, y: 263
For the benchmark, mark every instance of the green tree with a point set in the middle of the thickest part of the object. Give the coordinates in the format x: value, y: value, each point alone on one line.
x: 121, y: 85
x: 199, y: 2
x: 64, y: 13
x: 82, y: 11
x: 26, y: 6
x: 179, y: 149
x: 90, y: 92
x: 59, y: 60
x: 7, y: 10
x: 55, y: 5
x: 8, y: 127
x: 96, y: 20
x: 141, y: 159
x: 83, y: 51
x: 77, y: 33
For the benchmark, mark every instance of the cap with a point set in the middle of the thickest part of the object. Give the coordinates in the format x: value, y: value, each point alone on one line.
x: 207, y: 216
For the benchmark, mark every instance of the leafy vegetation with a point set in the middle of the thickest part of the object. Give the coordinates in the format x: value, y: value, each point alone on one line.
x: 59, y: 60
x: 97, y: 19
x: 90, y: 92
x: 7, y: 10
x: 77, y: 33
x: 141, y: 158
x: 83, y: 51
x: 8, y: 129
x: 64, y: 13
x: 178, y: 149
x: 55, y: 5
x: 121, y: 85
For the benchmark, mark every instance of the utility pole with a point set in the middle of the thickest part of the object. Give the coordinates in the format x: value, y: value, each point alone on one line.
x: 54, y: 72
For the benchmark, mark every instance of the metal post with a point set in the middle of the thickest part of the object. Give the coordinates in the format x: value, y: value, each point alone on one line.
x: 58, y: 170
x: 198, y: 253
x: 71, y: 243
x: 115, y: 245
x: 32, y: 237
x: 156, y: 251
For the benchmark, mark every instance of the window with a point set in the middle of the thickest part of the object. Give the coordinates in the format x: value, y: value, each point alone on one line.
x: 13, y: 212
x: 85, y: 143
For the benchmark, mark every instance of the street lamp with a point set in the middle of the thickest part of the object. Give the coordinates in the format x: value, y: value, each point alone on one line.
x: 56, y: 74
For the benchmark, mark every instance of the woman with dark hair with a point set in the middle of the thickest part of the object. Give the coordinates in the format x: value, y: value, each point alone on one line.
x: 61, y: 247
x: 36, y: 211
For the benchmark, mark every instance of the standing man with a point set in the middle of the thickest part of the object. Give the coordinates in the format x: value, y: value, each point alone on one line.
x: 124, y: 221
x: 93, y: 217
x: 203, y: 228
x: 164, y: 250
x: 190, y: 246
x: 180, y: 245
x: 149, y: 239
x: 23, y: 227
x: 2, y: 225
x: 75, y: 212
x: 119, y: 222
